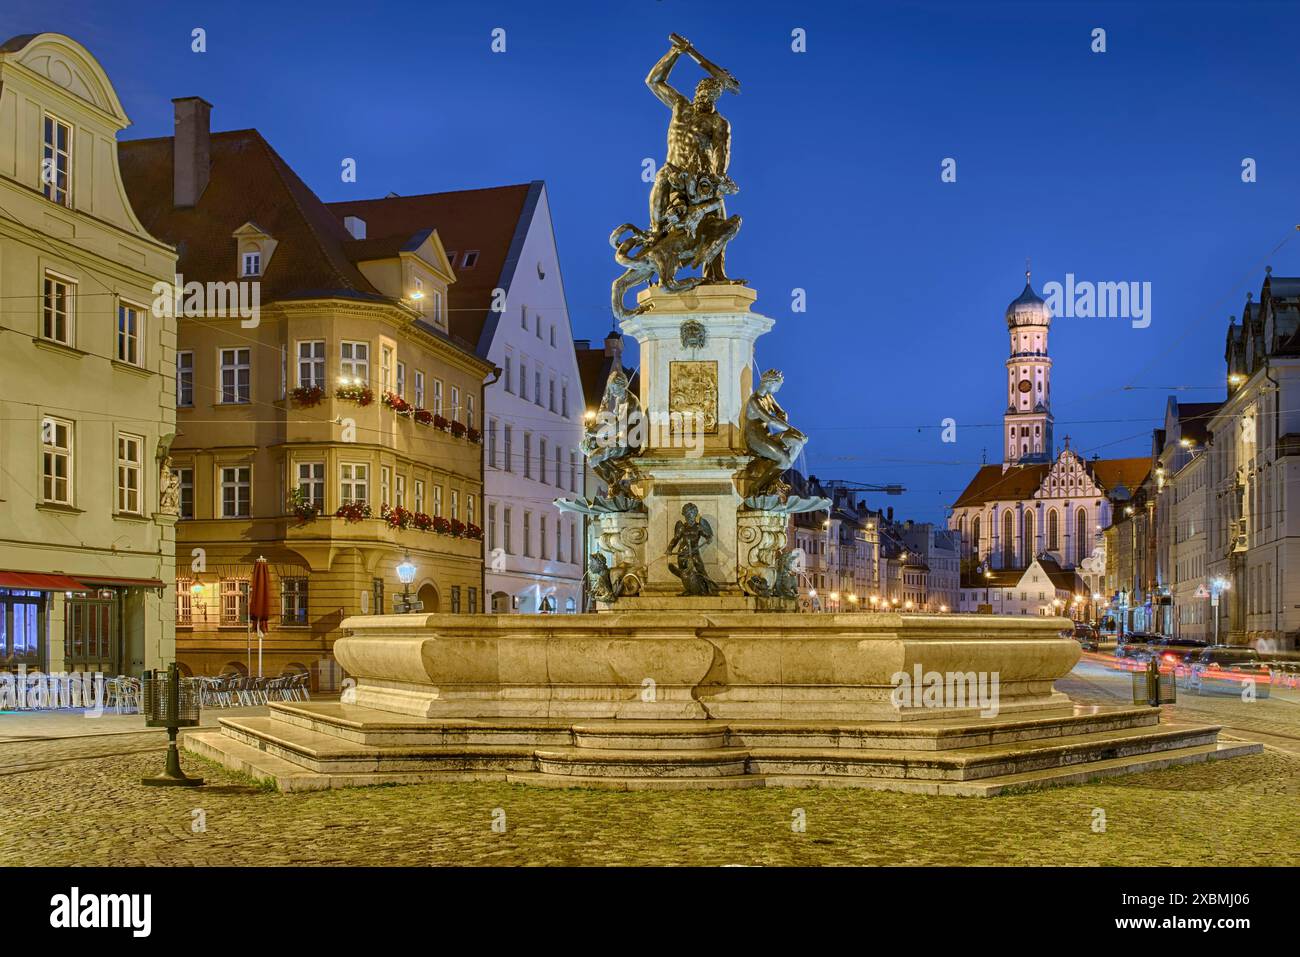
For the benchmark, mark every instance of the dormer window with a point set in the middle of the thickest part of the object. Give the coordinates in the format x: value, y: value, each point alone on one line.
x: 252, y: 264
x: 470, y: 260
x: 451, y: 258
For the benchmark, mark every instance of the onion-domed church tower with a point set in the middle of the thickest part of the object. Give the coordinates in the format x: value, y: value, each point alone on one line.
x: 1027, y: 425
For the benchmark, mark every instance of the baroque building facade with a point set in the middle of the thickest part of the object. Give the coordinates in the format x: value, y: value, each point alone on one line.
x: 1039, y: 501
x: 86, y: 378
x: 328, y: 420
x: 1252, y: 536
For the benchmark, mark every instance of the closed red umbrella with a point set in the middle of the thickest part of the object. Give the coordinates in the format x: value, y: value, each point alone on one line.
x: 259, y: 604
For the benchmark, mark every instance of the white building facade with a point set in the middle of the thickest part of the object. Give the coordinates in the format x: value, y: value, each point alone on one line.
x: 508, y: 302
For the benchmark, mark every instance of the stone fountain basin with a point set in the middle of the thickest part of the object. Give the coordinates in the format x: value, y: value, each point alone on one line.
x: 670, y: 664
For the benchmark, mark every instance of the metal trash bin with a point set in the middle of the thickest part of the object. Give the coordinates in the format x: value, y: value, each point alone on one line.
x: 170, y: 701
x: 1154, y: 687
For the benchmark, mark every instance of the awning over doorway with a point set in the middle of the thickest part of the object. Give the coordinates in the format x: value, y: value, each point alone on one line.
x: 37, y: 581
x: 122, y: 582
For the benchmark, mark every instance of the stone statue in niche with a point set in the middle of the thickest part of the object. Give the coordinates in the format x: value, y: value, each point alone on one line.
x: 169, y: 489
x: 691, y: 533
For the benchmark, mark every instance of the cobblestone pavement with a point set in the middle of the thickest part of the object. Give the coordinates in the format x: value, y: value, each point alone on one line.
x: 89, y: 808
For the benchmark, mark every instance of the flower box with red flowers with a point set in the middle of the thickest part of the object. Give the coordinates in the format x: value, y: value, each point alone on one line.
x: 441, y: 423
x: 441, y: 525
x: 353, y: 512
x: 457, y: 527
x: 422, y: 521
x: 307, y: 395
x: 474, y: 435
x: 300, y: 505
x: 397, y: 403
x: 458, y: 429
x: 473, y: 531
x: 423, y: 417
x: 397, y: 517
x: 359, y: 394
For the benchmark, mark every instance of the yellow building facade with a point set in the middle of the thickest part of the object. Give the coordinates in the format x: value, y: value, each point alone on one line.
x: 322, y: 406
x: 86, y: 379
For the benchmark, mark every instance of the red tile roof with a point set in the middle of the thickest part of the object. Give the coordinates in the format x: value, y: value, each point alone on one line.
x: 249, y: 181
x: 991, y: 484
x: 485, y: 220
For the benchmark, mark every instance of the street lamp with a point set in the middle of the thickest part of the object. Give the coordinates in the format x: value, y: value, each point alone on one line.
x: 1218, y: 586
x: 406, y: 570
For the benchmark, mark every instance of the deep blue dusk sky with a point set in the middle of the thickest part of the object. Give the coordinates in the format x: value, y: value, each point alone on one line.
x: 1117, y: 166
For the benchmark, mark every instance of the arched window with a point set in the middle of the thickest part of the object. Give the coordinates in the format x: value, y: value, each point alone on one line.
x: 1031, y: 547
x: 1080, y: 536
x: 1053, y: 531
x: 975, y: 536
x: 1008, y: 540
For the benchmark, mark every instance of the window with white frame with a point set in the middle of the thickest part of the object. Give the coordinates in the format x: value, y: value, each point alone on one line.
x: 469, y: 510
x: 541, y: 550
x: 386, y: 368
x: 130, y: 329
x: 573, y: 543
x: 236, y: 491
x: 492, y: 443
x: 573, y: 471
x: 455, y: 505
x: 252, y: 263
x: 437, y: 397
x: 234, y: 601
x: 419, y: 495
x: 469, y: 411
x: 57, y: 308
x: 528, y: 534
x: 401, y: 491
x: 552, y: 335
x: 311, y: 364
x: 491, y: 527
x: 523, y: 378
x: 455, y: 403
x: 129, y: 473
x: 56, y: 161
x: 401, y: 380
x: 185, y: 379
x: 541, y: 461
x: 56, y: 461
x: 311, y: 483
x: 528, y: 455
x: 385, y: 485
x: 437, y: 501
x: 537, y: 387
x: 354, y: 361
x: 236, y: 376
x: 437, y: 307
x: 507, y: 442
x: 564, y: 398
x: 507, y: 376
x: 523, y: 317
x: 551, y: 393
x: 505, y: 531
x: 419, y: 389
x: 354, y: 483
x: 559, y: 474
